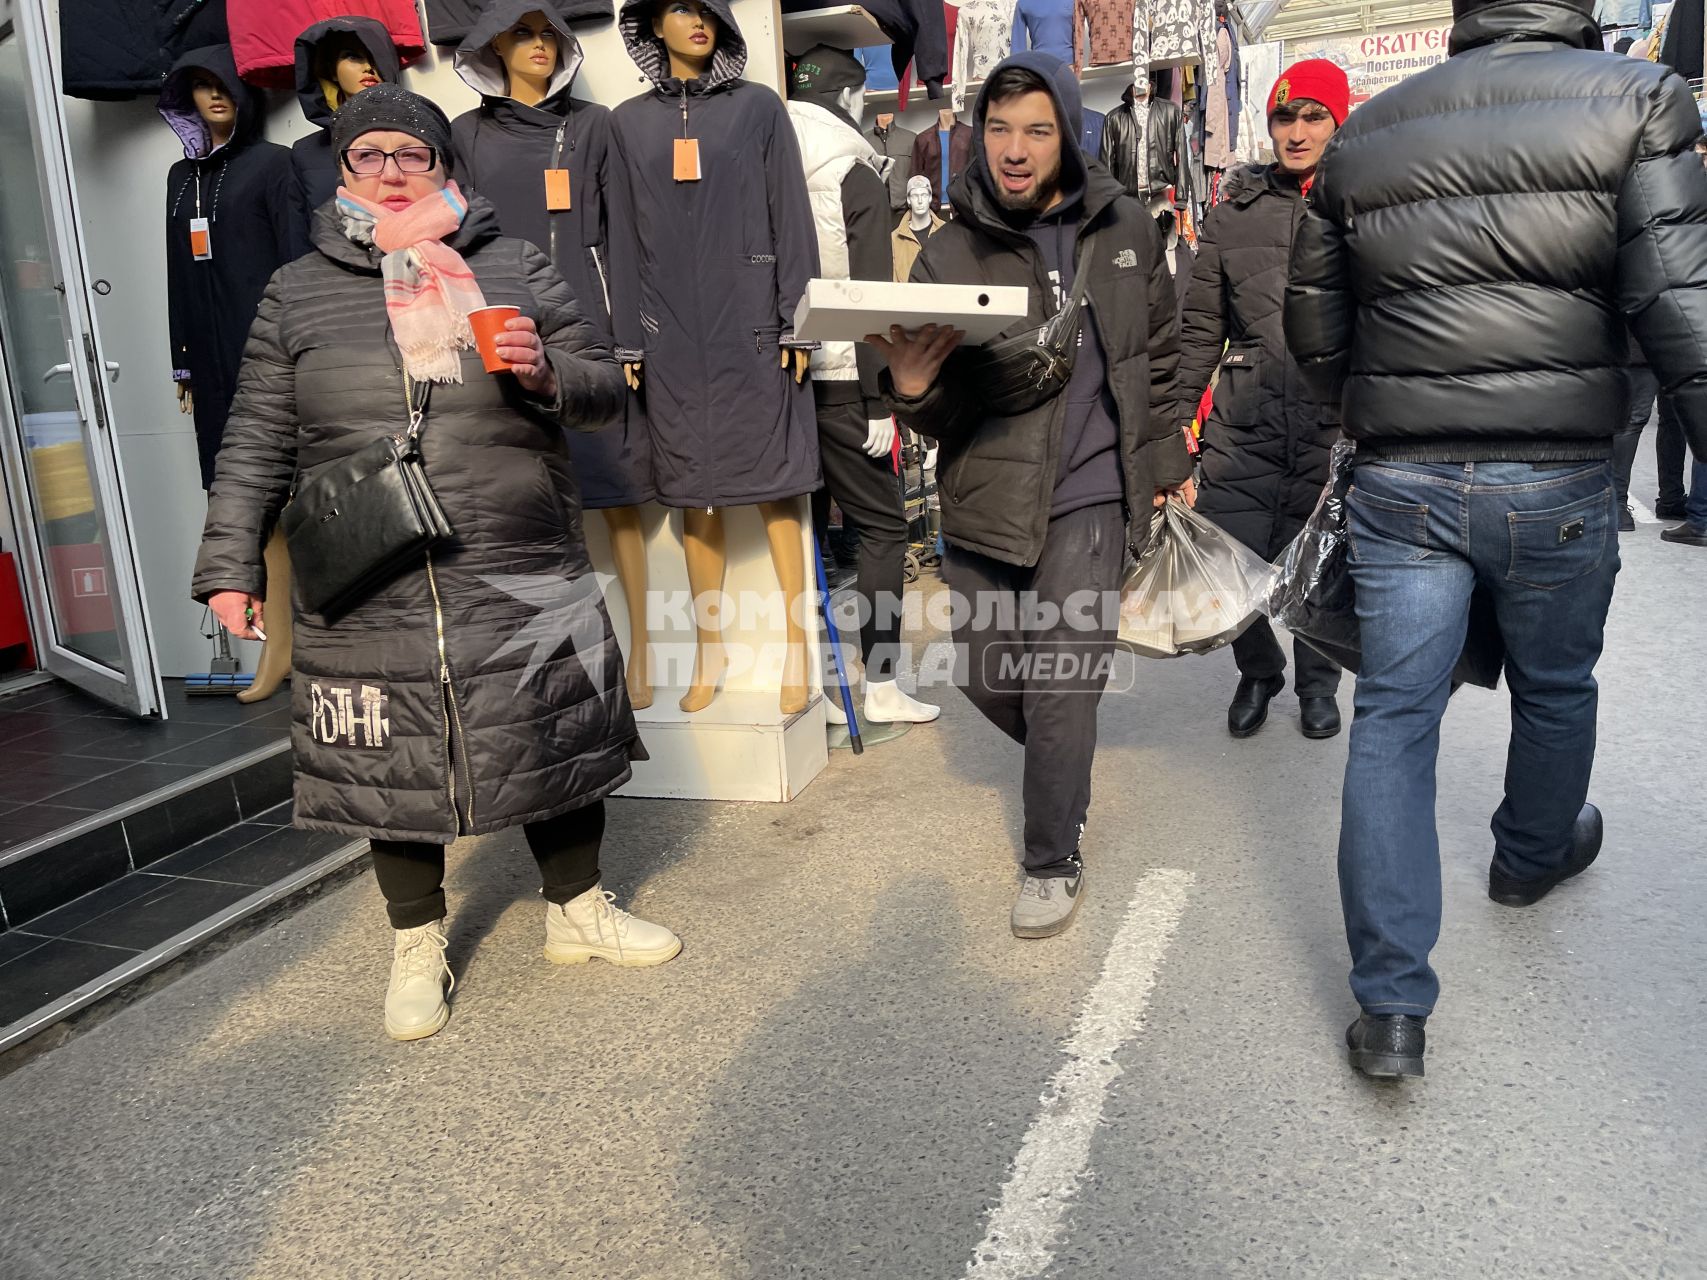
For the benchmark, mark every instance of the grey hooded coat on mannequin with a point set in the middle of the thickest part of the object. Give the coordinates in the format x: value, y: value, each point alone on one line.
x: 316, y: 166
x: 716, y: 269
x: 522, y: 714
x: 502, y: 151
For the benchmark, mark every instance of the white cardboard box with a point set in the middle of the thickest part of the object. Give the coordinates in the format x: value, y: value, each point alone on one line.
x: 847, y: 310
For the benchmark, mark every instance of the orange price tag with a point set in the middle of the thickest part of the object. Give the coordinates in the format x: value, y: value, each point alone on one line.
x: 687, y: 160
x: 201, y: 241
x: 557, y: 190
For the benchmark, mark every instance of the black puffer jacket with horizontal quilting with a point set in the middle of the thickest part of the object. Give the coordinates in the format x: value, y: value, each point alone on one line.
x: 1480, y: 236
x: 526, y: 715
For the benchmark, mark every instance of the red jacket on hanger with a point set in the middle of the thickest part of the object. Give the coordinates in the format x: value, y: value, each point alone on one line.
x: 264, y: 32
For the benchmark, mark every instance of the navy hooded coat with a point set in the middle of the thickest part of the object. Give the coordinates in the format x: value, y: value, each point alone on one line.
x: 246, y: 189
x: 715, y: 269
x: 502, y: 151
x: 316, y: 166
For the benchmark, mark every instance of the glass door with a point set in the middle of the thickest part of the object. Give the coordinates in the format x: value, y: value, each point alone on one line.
x: 61, y: 458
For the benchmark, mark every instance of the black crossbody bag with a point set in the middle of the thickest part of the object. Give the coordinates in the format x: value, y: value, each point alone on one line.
x: 365, y: 518
x: 1018, y: 374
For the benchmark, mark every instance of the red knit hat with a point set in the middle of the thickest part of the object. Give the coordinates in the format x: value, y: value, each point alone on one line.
x: 1317, y: 79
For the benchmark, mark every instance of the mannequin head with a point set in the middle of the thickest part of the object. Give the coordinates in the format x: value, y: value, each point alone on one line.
x: 530, y: 54
x: 689, y: 32
x: 215, y: 105
x: 830, y: 76
x: 344, y: 68
x: 919, y: 198
x: 393, y: 185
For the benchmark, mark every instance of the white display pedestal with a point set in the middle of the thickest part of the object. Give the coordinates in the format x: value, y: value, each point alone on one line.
x: 741, y: 747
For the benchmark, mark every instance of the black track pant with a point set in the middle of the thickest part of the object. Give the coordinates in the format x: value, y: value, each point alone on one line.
x: 411, y: 873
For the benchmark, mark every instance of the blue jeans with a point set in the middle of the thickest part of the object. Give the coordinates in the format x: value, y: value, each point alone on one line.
x: 1543, y: 542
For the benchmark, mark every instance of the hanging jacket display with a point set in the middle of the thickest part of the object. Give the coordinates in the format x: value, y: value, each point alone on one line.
x: 1212, y: 91
x: 918, y: 30
x: 263, y: 35
x: 983, y: 36
x: 1682, y: 48
x: 928, y: 160
x: 1090, y: 136
x: 111, y: 50
x: 895, y: 145
x: 450, y: 21
x: 503, y: 150
x: 316, y: 166
x: 708, y: 274
x: 1048, y: 26
x: 909, y: 73
x: 245, y: 191
x: 1170, y: 33
x: 1141, y: 145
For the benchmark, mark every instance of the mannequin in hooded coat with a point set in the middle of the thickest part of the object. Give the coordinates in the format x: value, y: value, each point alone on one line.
x: 245, y: 189
x: 716, y: 261
x: 522, y: 58
x: 335, y: 60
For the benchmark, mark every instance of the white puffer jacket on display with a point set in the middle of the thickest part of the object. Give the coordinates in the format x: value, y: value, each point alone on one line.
x: 829, y: 149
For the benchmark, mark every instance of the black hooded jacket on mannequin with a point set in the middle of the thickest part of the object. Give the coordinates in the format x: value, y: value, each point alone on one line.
x: 246, y: 190
x: 716, y: 268
x: 316, y: 166
x: 1480, y: 310
x: 503, y: 149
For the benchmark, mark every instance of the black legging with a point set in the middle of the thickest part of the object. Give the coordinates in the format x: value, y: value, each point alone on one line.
x: 411, y: 873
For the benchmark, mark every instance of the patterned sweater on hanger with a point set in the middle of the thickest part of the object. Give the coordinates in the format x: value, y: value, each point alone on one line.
x: 982, y: 39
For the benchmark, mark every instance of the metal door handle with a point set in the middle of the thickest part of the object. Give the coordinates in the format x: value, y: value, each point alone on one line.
x: 112, y: 371
x: 58, y: 371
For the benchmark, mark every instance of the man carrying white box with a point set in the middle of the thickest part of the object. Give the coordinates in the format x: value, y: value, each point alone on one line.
x: 1056, y: 442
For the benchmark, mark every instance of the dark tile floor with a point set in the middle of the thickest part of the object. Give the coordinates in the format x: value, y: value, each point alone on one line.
x: 54, y: 954
x: 64, y: 756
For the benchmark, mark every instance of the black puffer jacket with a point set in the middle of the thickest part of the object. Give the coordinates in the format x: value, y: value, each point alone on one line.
x: 1480, y: 233
x: 1119, y: 151
x: 525, y: 714
x: 997, y: 476
x: 1265, y: 446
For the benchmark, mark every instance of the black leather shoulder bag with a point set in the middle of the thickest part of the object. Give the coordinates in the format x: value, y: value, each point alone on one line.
x: 364, y: 519
x: 1018, y: 374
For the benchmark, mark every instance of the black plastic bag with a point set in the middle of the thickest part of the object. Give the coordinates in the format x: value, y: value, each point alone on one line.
x: 1313, y: 596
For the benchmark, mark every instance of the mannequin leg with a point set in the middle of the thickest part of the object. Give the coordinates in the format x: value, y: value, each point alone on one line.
x: 782, y: 527
x: 628, y: 547
x: 274, y: 666
x: 702, y: 543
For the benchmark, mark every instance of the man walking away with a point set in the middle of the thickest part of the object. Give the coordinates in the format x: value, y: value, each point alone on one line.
x: 1478, y: 237
x: 1040, y: 503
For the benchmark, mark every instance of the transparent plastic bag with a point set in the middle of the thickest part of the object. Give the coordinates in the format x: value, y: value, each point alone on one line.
x: 1195, y: 589
x: 1312, y: 596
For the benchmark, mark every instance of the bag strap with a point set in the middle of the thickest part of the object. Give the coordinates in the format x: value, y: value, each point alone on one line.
x: 416, y: 397
x: 1081, y: 277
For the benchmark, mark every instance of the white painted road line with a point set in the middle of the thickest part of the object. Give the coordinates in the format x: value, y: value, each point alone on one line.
x: 1642, y: 514
x: 1019, y: 1240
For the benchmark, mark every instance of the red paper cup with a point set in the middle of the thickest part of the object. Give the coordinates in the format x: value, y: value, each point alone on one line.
x: 488, y: 323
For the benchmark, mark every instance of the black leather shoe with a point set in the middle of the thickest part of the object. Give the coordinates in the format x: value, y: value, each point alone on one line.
x: 1586, y: 837
x: 1250, y: 704
x: 1671, y: 510
x: 1386, y: 1047
x: 1318, y: 717
x: 1690, y: 535
x: 1626, y: 519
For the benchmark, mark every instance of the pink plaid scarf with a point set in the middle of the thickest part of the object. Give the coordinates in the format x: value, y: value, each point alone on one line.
x: 429, y: 289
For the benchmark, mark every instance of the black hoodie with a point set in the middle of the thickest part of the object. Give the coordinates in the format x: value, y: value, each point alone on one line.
x: 316, y: 166
x: 502, y: 152
x: 246, y: 190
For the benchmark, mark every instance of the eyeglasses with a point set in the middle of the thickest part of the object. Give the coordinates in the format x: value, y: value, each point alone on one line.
x: 365, y: 162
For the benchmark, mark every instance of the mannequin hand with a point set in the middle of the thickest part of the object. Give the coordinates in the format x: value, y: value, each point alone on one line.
x: 1186, y: 489
x: 186, y: 398
x: 880, y: 437
x: 631, y: 372
x: 520, y: 348
x: 231, y: 608
x: 802, y: 361
x: 915, y: 362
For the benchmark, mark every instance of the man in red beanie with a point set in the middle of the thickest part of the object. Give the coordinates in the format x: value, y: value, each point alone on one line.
x: 1267, y: 438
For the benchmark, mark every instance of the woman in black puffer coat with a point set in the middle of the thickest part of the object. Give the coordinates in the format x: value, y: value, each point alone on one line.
x: 481, y: 689
x: 1267, y: 439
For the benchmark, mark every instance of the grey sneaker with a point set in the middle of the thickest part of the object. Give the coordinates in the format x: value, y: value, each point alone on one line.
x: 1045, y: 907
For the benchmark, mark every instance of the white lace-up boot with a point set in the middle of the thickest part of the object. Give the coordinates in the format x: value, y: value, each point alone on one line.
x: 415, y: 1004
x: 592, y: 926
